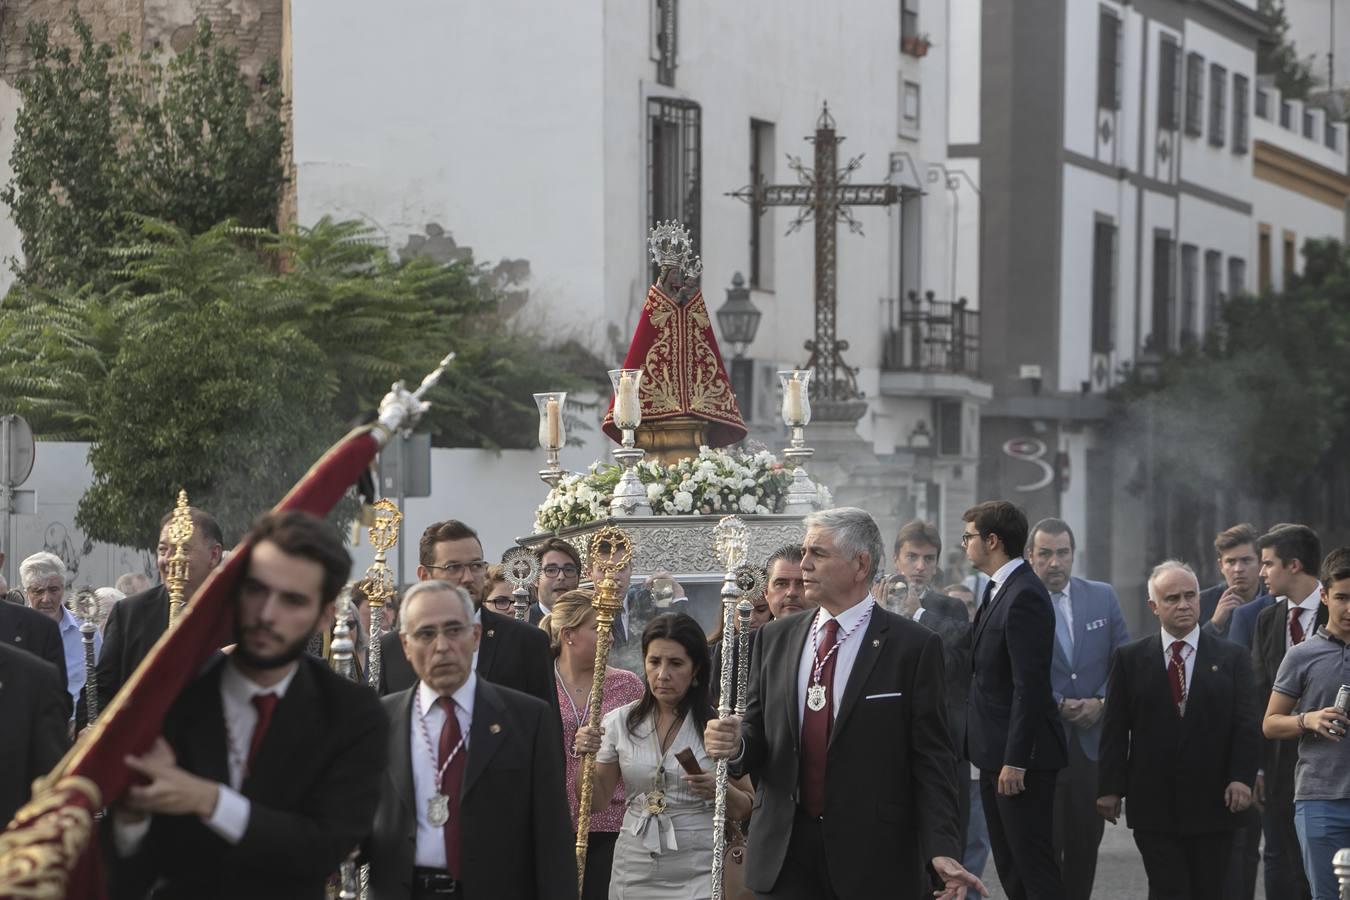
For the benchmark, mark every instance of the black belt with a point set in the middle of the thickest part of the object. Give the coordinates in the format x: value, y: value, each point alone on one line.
x: 435, y: 881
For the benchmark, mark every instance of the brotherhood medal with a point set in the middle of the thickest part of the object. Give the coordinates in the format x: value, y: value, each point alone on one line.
x: 438, y: 810
x: 815, y: 697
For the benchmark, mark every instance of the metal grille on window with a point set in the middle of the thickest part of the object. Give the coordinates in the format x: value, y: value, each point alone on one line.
x: 674, y: 160
x: 1108, y: 61
x: 1195, y: 94
x: 1218, y: 101
x: 1240, y: 90
x: 1169, y: 85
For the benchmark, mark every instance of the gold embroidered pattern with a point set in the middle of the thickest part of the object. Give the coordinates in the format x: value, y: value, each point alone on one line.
x: 46, y: 838
x: 683, y: 372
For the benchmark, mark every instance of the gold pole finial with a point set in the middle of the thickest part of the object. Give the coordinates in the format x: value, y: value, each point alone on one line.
x: 611, y: 550
x: 180, y: 532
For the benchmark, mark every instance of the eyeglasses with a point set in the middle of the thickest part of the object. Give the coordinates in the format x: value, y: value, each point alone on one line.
x: 477, y: 567
x: 968, y: 536
x: 55, y: 590
x: 453, y: 630
x: 501, y: 602
x: 569, y: 570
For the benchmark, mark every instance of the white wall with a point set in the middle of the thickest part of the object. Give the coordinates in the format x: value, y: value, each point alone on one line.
x: 1218, y: 168
x: 964, y: 70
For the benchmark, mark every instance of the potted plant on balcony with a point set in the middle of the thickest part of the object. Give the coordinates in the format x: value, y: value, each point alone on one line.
x: 915, y: 45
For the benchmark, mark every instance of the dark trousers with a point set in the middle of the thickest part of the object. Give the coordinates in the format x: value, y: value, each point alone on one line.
x: 1246, y: 856
x: 1184, y: 866
x: 1078, y: 826
x: 599, y: 862
x: 1284, y: 875
x: 1021, y: 834
x: 805, y: 874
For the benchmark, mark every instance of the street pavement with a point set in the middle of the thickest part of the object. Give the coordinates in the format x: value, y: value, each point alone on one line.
x: 1120, y: 871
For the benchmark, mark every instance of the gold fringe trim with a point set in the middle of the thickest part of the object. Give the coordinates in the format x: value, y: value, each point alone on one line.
x: 45, y: 840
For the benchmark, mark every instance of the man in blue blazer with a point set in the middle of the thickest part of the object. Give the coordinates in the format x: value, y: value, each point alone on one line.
x: 1089, y: 626
x: 1229, y: 608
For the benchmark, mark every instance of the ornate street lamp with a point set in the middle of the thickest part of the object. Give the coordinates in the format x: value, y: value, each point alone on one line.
x: 738, y: 317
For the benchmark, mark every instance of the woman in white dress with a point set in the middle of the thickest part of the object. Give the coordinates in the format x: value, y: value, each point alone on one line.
x: 664, y: 851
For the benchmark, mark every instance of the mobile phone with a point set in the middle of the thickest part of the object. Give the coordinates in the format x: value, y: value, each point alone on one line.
x: 687, y: 761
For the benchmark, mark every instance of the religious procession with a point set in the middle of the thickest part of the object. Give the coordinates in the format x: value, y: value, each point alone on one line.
x: 388, y: 512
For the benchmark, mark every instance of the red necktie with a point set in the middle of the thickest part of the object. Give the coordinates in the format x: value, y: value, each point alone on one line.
x: 1295, y: 626
x: 265, y: 704
x: 451, y: 781
x: 816, y: 726
x: 1176, y: 675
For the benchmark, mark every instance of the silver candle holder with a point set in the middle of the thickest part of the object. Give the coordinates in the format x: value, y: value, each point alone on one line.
x: 552, y: 434
x: 630, y: 496
x: 803, y: 496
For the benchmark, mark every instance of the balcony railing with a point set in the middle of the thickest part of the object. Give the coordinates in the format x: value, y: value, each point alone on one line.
x: 928, y: 335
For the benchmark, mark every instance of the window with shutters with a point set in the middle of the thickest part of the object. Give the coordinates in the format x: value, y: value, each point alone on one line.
x: 674, y: 158
x: 1237, y: 275
x: 1195, y: 94
x: 1108, y: 60
x: 1240, y: 122
x: 1213, y: 287
x: 1103, y: 287
x: 762, y: 156
x: 1218, y: 104
x: 1164, y: 292
x: 1190, y: 265
x: 1169, y: 84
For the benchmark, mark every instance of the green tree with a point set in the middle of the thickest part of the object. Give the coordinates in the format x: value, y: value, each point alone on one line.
x: 103, y: 134
x: 1293, y: 76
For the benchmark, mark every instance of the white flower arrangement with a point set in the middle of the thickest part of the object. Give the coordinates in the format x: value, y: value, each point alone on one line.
x: 715, y: 481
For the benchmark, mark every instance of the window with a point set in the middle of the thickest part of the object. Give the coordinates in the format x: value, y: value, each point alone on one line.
x: 909, y: 109
x: 1218, y: 100
x: 1290, y: 261
x: 947, y: 414
x: 674, y: 185
x: 1307, y: 124
x: 1169, y: 84
x: 762, y: 155
x: 1240, y: 89
x: 1330, y: 138
x: 1103, y: 287
x: 911, y: 244
x: 1164, y: 296
x: 1195, y: 93
x: 909, y: 20
x: 1263, y: 259
x: 1190, y: 263
x: 1213, y: 288
x: 1262, y: 104
x: 1108, y: 60
x: 665, y: 15
x: 1237, y: 276
x: 1286, y: 114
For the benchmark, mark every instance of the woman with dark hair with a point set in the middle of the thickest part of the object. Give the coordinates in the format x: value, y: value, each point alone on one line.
x: 664, y: 851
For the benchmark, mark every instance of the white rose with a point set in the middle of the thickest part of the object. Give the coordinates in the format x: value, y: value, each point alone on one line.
x: 654, y: 492
x: 684, y: 501
x: 747, y: 503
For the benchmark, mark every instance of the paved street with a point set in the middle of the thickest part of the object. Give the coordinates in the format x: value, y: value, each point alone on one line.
x: 1120, y: 873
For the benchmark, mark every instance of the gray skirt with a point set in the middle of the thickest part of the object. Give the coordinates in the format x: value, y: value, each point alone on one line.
x: 642, y: 872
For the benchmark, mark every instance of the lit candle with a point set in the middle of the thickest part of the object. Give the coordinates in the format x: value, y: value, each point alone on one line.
x: 554, y: 424
x: 627, y: 412
x: 792, y: 402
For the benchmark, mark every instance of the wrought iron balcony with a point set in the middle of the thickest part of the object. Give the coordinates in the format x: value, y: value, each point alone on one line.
x: 928, y: 335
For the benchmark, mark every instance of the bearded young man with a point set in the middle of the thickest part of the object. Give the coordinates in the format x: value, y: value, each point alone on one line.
x: 267, y: 774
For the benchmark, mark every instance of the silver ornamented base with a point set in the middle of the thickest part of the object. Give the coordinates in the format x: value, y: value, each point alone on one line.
x: 802, y: 496
x: 553, y: 471
x: 630, y: 495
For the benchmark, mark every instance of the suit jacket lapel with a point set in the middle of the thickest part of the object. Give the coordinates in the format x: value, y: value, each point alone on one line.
x: 999, y: 593
x: 207, y: 739
x: 486, y: 733
x: 487, y: 644
x: 400, y: 757
x: 294, y: 722
x: 798, y: 643
x: 872, y: 646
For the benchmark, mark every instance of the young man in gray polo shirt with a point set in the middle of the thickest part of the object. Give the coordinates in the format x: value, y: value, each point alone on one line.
x: 1302, y: 705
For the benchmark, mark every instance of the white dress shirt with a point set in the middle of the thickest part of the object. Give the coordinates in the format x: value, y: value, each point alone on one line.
x: 1001, y: 577
x: 1187, y: 654
x: 844, y: 656
x: 430, y: 851
x: 1307, y: 616
x: 231, y: 815
x: 72, y: 642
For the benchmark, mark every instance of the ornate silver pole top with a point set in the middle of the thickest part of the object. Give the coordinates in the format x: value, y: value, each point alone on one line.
x: 732, y: 541
x: 401, y: 409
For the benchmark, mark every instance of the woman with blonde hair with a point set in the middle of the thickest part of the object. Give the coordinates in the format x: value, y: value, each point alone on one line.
x: 571, y: 630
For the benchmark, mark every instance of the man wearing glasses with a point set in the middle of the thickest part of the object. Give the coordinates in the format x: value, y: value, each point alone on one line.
x: 510, y: 654
x: 559, y: 572
x: 43, y: 576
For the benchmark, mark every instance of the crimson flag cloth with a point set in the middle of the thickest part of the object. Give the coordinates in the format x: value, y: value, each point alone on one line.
x: 47, y: 851
x: 683, y: 372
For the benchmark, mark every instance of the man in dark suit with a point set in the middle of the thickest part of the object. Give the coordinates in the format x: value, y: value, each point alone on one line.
x: 1179, y: 743
x: 826, y: 690
x: 559, y: 572
x: 268, y: 772
x: 32, y: 725
x: 473, y: 801
x: 1014, y: 734
x: 511, y: 654
x: 1291, y: 556
x: 136, y: 623
x: 24, y: 628
x: 1089, y: 626
x: 1240, y: 564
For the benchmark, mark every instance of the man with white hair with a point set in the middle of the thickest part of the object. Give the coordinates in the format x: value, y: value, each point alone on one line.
x: 1179, y: 741
x: 43, y: 576
x: 853, y: 677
